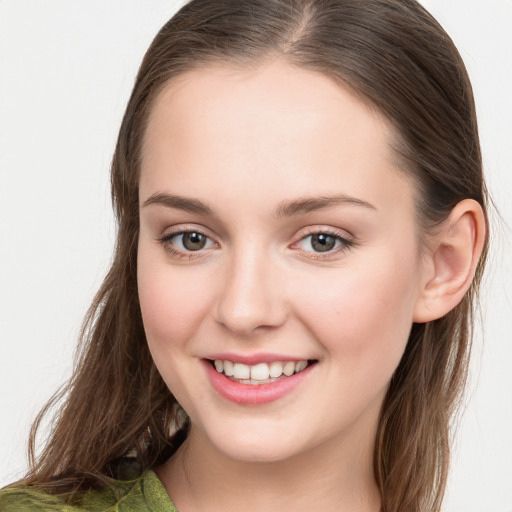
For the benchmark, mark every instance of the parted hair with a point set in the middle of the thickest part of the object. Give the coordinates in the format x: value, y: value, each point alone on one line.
x: 398, y: 58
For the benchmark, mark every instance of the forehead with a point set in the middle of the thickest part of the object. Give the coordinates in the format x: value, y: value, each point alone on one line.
x: 275, y: 128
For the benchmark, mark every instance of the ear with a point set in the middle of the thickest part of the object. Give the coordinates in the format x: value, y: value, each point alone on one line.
x: 451, y: 261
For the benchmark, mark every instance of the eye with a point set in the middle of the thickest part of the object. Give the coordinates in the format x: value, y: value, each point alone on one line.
x: 320, y: 242
x: 323, y: 242
x: 191, y: 241
x: 186, y: 242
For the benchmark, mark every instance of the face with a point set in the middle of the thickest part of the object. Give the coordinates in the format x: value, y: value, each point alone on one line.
x: 276, y: 231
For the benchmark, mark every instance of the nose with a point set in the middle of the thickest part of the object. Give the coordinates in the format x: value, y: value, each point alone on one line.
x: 252, y: 298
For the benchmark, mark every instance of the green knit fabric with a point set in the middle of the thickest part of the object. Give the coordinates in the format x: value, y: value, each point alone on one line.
x: 144, y: 494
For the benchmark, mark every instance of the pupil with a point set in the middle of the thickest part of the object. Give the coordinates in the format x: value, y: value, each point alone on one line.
x: 194, y: 241
x: 322, y: 242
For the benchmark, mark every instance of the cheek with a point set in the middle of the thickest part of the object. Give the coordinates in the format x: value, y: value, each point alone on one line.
x: 362, y: 315
x: 173, y: 301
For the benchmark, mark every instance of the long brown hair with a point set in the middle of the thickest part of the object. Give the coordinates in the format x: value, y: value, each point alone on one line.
x: 394, y: 54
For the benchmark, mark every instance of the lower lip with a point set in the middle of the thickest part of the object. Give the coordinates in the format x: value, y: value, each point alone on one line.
x: 254, y: 394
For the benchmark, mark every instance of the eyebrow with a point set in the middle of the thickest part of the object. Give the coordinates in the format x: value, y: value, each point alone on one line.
x: 309, y: 204
x: 180, y: 203
x: 285, y: 208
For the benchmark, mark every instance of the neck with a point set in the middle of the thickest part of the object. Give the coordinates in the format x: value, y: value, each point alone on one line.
x: 337, y: 475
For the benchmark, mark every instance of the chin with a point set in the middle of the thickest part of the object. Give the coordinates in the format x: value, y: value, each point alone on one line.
x: 264, y: 451
x: 258, y: 443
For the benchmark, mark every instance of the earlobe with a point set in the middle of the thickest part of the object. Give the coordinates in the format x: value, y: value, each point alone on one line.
x: 453, y: 260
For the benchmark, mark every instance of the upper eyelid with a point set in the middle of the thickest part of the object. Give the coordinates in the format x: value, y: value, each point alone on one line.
x: 325, y: 232
x: 336, y: 232
x: 303, y: 232
x: 171, y: 232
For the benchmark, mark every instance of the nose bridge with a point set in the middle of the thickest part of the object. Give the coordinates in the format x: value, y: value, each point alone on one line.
x: 250, y: 296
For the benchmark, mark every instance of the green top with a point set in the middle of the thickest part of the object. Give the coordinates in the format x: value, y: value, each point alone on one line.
x: 144, y: 494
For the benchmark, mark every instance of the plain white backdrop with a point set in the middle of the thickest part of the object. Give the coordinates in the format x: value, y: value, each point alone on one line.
x: 66, y: 71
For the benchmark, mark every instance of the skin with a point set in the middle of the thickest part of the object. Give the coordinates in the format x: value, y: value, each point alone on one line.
x: 245, y: 142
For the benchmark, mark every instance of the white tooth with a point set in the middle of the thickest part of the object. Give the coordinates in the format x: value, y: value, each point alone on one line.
x: 276, y: 369
x: 300, y: 365
x: 228, y: 368
x: 219, y: 365
x: 241, y: 371
x: 260, y: 371
x: 289, y: 368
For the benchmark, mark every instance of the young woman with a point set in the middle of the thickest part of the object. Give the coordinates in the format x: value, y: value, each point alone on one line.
x: 302, y: 231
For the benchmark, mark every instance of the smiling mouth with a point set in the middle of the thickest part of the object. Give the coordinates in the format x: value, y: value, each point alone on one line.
x: 261, y: 373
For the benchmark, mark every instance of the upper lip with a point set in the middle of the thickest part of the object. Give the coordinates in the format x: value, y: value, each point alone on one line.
x: 252, y: 359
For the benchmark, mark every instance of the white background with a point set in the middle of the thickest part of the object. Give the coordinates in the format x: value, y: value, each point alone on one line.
x: 66, y: 70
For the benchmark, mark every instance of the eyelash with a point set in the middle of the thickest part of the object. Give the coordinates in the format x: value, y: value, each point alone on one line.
x: 344, y: 244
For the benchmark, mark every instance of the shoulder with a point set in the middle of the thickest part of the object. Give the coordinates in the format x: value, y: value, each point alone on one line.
x: 20, y: 498
x: 144, y: 494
